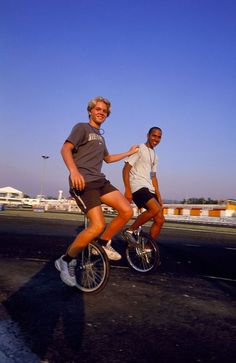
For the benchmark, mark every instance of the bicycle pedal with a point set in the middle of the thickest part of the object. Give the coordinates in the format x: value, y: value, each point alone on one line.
x: 94, y: 252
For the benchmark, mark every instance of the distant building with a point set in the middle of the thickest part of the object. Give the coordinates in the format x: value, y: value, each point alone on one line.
x: 173, y: 211
x: 9, y: 195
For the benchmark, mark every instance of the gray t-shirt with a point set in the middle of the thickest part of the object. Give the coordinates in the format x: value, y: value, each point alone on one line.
x: 89, y: 151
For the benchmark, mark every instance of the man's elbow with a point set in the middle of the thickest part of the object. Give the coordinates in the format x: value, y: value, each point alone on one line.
x: 107, y: 160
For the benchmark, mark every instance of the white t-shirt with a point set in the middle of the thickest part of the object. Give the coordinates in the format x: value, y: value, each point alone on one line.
x: 144, y: 163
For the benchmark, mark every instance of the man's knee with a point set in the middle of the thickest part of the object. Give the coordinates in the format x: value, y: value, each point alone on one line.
x: 97, y: 228
x: 155, y: 212
x: 162, y: 220
x: 158, y: 217
x: 127, y: 212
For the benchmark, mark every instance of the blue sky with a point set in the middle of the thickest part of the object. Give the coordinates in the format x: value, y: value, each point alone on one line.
x: 169, y: 63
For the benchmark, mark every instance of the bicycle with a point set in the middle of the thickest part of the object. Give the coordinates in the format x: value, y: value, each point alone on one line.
x: 144, y: 256
x: 92, y: 269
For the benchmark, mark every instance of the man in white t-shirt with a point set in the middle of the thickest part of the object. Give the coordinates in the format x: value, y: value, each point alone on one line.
x: 141, y: 185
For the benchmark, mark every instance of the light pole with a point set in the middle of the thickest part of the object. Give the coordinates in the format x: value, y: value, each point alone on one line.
x: 44, y: 157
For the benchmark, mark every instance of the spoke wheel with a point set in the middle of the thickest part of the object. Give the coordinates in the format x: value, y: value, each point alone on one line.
x: 144, y: 258
x: 92, y: 271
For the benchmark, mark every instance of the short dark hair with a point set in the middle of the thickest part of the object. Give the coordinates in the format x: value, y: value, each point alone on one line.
x: 154, y: 128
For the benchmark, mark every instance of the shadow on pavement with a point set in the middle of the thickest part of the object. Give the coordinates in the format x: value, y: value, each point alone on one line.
x: 49, y: 314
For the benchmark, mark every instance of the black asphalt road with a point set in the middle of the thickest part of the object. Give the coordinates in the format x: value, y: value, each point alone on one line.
x: 185, y: 312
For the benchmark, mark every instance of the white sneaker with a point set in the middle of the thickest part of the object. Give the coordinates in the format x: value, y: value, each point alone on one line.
x: 67, y: 271
x: 148, y: 249
x: 129, y: 236
x: 111, y: 253
x: 94, y: 252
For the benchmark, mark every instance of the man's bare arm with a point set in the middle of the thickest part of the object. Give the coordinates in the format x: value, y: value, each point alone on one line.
x: 77, y: 179
x: 126, y: 170
x: 117, y: 157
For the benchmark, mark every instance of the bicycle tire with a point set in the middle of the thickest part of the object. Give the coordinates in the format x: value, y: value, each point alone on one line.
x: 92, y: 270
x: 139, y: 259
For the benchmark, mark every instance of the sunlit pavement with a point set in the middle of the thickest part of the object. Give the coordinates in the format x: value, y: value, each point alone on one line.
x: 174, y: 315
x: 136, y: 318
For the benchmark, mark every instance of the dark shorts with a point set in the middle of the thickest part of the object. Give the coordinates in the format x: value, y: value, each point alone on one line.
x: 90, y: 196
x: 142, y: 196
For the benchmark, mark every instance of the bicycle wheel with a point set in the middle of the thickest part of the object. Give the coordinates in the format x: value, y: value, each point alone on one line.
x: 92, y: 271
x: 145, y: 257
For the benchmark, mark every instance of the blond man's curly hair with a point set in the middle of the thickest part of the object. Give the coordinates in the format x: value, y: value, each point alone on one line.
x: 92, y: 103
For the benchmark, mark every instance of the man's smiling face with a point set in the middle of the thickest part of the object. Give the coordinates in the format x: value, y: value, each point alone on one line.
x: 98, y: 114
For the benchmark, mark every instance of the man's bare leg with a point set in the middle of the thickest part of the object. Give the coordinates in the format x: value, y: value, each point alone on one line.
x: 117, y: 201
x: 153, y: 209
x: 157, y: 225
x: 95, y: 228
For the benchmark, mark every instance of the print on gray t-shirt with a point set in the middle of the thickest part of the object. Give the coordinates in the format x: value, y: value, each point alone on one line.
x: 89, y: 151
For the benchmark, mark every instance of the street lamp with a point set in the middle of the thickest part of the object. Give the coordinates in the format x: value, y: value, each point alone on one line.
x: 44, y: 157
